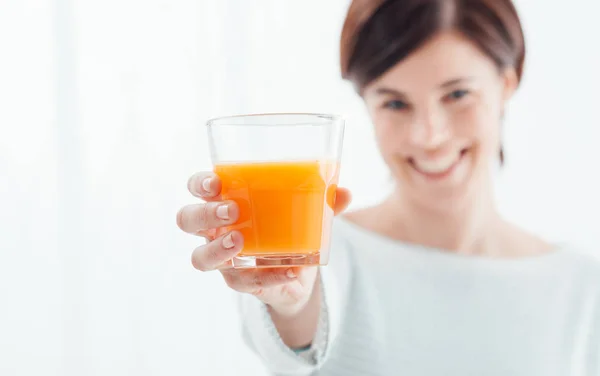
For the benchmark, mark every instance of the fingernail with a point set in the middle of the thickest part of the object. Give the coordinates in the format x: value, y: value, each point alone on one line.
x: 228, y: 241
x: 206, y: 185
x: 223, y: 212
x: 290, y: 274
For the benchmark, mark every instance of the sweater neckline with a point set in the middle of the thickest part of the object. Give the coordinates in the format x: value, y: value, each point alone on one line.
x: 362, y: 234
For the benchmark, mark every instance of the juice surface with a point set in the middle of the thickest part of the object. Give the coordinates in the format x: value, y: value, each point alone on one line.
x: 285, y: 207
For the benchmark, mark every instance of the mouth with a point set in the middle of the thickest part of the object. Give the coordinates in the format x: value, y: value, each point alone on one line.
x: 439, y: 168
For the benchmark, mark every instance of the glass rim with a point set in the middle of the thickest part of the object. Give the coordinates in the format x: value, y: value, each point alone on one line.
x: 331, y: 119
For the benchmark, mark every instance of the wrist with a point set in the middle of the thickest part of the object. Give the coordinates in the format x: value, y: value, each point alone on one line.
x: 289, y: 311
x: 297, y: 324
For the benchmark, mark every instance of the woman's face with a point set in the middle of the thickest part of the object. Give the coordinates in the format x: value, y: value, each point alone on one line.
x: 437, y: 118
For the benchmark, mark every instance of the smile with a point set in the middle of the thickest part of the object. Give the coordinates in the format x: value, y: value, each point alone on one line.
x: 439, y: 168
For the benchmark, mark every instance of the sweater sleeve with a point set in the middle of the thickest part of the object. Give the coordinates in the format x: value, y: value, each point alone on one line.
x: 260, y: 333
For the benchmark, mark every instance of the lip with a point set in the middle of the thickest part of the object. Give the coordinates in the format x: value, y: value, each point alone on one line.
x: 440, y: 175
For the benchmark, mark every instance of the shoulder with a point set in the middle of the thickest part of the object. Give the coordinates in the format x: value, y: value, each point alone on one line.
x: 348, y: 224
x: 349, y: 239
x: 355, y: 230
x: 581, y: 257
x: 582, y: 266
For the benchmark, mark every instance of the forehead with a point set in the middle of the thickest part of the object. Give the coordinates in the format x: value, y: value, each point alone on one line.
x: 445, y: 57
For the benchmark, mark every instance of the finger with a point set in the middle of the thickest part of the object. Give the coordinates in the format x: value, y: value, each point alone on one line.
x: 218, y: 252
x: 343, y: 197
x: 205, y: 185
x: 196, y: 218
x: 211, y: 234
x: 254, y: 281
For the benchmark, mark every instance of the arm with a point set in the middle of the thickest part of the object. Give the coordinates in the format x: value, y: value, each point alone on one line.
x: 297, y: 329
x: 273, y: 336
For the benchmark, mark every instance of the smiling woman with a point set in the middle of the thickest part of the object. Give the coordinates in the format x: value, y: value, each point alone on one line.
x: 433, y: 280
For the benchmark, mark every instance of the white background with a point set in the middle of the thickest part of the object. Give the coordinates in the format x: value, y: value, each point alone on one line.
x: 102, y: 105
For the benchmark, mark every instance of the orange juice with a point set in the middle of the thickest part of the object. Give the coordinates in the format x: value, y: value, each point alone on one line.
x: 285, y: 207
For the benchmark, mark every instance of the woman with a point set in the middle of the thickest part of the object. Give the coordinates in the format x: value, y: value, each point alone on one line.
x: 432, y: 281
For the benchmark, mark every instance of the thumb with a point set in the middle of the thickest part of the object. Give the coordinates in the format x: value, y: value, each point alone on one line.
x: 342, y: 199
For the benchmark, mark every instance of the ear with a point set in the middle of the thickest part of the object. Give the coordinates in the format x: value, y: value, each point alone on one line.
x: 511, y: 82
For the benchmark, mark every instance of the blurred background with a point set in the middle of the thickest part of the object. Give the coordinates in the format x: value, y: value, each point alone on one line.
x: 102, y: 111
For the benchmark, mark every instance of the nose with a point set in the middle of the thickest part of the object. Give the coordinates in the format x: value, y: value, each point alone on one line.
x: 429, y: 130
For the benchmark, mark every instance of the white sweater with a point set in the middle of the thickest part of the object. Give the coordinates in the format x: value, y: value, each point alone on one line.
x: 395, y: 309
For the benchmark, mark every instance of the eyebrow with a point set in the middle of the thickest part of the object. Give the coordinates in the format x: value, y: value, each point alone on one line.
x: 455, y: 81
x: 390, y: 91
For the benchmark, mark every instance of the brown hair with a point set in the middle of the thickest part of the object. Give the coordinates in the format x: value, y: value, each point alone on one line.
x: 377, y: 34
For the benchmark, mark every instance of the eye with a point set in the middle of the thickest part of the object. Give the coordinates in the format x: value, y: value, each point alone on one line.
x: 457, y: 94
x: 395, y: 105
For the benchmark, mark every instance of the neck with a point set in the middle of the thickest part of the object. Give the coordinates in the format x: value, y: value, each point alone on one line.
x: 470, y: 227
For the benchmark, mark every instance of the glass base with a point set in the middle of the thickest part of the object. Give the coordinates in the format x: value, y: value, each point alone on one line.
x: 278, y: 260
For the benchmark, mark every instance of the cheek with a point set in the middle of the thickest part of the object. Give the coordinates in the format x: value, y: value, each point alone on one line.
x: 388, y: 133
x: 480, y: 124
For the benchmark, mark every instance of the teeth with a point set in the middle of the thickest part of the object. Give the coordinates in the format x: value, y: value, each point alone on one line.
x: 438, y: 165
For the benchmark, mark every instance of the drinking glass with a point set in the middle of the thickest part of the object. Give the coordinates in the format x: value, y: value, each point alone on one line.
x: 282, y: 171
